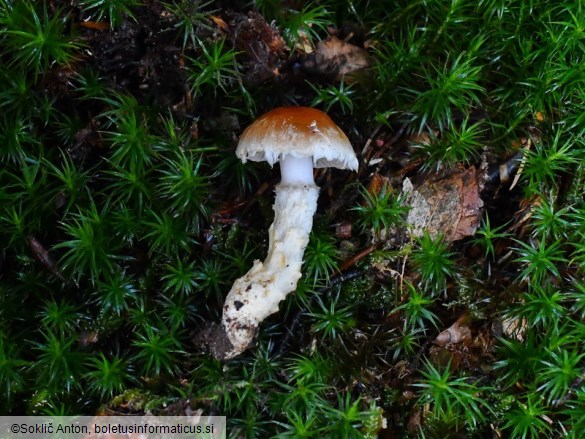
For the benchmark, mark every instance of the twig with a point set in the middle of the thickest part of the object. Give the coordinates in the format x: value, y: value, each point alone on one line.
x: 521, y: 167
x: 369, y: 141
x: 357, y: 257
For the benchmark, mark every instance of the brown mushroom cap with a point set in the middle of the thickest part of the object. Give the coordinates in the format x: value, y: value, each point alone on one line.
x: 299, y: 132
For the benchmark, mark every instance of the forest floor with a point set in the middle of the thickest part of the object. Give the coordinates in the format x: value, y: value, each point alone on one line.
x: 442, y: 293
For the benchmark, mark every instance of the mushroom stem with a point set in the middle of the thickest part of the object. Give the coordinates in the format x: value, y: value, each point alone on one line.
x: 257, y: 294
x: 296, y: 170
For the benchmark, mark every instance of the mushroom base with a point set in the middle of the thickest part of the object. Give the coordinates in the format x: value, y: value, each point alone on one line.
x: 257, y: 294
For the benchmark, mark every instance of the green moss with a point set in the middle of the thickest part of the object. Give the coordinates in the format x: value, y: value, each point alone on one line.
x: 125, y: 215
x: 365, y: 290
x: 134, y: 399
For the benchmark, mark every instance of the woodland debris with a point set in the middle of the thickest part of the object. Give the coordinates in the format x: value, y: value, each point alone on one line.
x: 377, y: 184
x: 42, y: 255
x: 511, y: 327
x: 336, y: 58
x: 452, y: 345
x: 343, y: 230
x: 458, y: 332
x: 448, y: 205
x: 262, y: 44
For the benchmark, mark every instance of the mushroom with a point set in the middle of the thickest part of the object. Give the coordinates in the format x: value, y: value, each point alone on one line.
x: 301, y: 139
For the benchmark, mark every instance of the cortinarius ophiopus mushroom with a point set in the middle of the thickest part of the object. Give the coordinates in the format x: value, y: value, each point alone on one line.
x: 301, y: 139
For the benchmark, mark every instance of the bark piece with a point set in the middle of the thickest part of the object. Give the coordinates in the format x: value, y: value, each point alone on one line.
x: 450, y: 205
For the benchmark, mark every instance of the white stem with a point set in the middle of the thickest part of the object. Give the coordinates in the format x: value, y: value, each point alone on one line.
x: 296, y: 170
x: 257, y: 294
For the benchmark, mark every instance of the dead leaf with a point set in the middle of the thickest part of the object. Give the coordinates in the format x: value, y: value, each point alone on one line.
x: 422, y: 139
x: 336, y: 58
x: 452, y: 346
x: 450, y: 205
x: 262, y: 43
x: 219, y: 22
x: 415, y: 419
x: 88, y: 338
x: 343, y: 230
x: 96, y: 25
x: 458, y: 332
x: 511, y: 327
x: 377, y: 184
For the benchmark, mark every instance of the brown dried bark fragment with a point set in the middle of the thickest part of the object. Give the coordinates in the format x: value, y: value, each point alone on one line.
x: 449, y: 205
